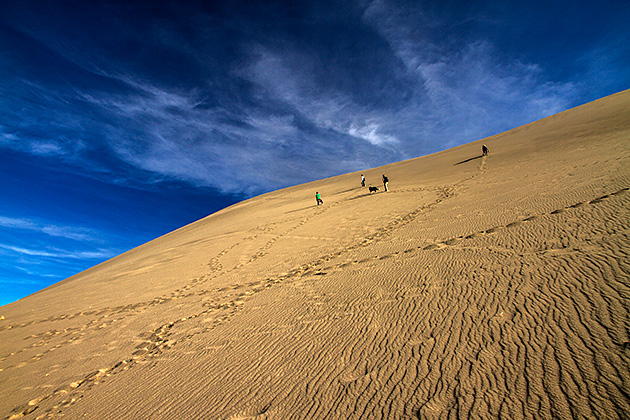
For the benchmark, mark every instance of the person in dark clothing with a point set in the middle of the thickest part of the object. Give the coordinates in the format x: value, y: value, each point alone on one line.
x: 362, y: 180
x: 385, y: 182
x: 484, y: 150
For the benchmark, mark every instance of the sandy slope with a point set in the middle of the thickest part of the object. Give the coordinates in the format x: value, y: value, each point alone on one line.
x: 477, y: 287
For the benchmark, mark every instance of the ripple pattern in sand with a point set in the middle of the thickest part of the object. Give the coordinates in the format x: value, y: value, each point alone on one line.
x: 527, y: 321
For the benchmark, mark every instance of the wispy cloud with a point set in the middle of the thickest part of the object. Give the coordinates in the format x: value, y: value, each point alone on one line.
x: 68, y: 232
x: 289, y: 78
x: 467, y: 90
x: 242, y: 127
x: 58, y: 253
x: 370, y: 132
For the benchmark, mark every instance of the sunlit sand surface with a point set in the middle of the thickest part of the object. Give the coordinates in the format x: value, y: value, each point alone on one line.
x: 477, y: 287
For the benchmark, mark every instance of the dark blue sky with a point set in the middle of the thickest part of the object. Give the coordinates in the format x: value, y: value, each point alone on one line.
x: 122, y: 121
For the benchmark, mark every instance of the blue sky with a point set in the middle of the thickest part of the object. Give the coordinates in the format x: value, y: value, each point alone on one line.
x: 122, y: 121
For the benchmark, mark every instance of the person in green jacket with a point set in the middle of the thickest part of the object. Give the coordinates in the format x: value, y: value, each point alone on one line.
x: 318, y: 197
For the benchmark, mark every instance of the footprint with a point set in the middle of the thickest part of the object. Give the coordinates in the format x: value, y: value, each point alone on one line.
x: 452, y: 241
x: 22, y: 411
x: 557, y: 211
x: 474, y: 235
x: 514, y: 224
x: 494, y: 229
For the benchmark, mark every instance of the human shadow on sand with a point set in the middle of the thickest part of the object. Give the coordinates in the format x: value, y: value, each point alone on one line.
x: 364, y: 195
x: 468, y: 160
x: 346, y: 191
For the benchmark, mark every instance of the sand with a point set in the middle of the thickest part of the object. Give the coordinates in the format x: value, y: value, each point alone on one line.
x: 477, y: 287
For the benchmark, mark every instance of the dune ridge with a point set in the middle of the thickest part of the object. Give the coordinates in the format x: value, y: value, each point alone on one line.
x: 477, y: 287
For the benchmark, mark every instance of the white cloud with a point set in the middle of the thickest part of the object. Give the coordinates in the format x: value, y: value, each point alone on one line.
x: 26, y: 251
x: 288, y: 112
x: 477, y: 93
x: 58, y: 253
x: 463, y: 93
x: 47, y: 149
x: 370, y: 132
x: 17, y: 223
x: 6, y: 138
x: 287, y: 77
x: 68, y: 232
x: 273, y: 129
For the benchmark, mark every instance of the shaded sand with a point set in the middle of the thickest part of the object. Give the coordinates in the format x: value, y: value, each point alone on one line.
x: 479, y: 287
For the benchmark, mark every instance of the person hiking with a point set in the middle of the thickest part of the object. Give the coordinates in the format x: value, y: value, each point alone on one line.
x: 484, y: 150
x: 385, y: 182
x: 318, y: 197
x: 362, y: 180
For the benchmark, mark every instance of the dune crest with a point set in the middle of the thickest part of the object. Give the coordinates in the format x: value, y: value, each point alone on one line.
x: 478, y: 286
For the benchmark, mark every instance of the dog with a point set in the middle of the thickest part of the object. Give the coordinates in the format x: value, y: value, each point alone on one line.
x: 373, y: 189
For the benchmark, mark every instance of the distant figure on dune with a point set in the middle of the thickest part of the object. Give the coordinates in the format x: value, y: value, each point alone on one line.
x: 484, y: 150
x: 318, y: 197
x: 362, y: 180
x: 385, y: 182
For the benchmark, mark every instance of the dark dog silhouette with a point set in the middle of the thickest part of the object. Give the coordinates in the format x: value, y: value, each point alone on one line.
x: 373, y: 189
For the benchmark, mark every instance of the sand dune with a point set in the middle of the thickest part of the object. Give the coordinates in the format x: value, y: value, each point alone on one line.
x: 478, y: 287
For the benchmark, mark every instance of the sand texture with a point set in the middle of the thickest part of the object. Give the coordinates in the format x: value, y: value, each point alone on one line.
x: 477, y: 287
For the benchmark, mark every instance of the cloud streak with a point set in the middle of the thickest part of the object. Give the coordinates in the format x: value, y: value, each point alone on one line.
x: 463, y: 90
x: 74, y: 233
x: 58, y: 253
x: 275, y: 106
